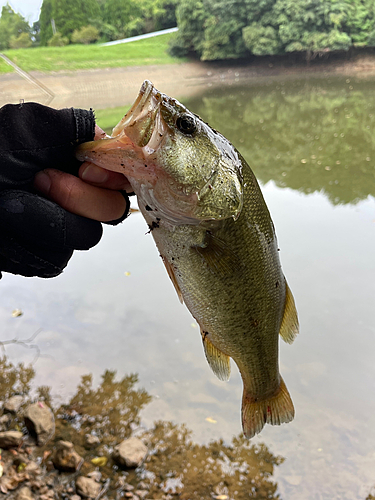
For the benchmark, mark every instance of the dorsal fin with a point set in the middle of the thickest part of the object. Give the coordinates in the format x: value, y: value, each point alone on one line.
x: 289, y: 325
x: 218, y: 361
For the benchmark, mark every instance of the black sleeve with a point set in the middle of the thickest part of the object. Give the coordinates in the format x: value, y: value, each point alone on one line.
x: 34, y: 137
x: 37, y: 236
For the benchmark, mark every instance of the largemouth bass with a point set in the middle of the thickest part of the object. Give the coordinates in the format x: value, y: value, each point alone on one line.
x: 209, y: 220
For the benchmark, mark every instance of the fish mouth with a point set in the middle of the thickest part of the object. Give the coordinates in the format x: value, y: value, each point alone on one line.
x: 138, y: 134
x: 140, y: 121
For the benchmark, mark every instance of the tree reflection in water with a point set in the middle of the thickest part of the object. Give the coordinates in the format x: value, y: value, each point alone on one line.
x: 308, y: 134
x: 175, y: 467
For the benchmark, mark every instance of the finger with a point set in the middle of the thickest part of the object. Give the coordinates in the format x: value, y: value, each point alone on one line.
x: 80, y: 198
x: 99, y: 133
x: 104, y: 178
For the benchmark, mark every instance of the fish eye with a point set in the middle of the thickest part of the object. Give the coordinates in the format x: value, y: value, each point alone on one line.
x: 186, y: 124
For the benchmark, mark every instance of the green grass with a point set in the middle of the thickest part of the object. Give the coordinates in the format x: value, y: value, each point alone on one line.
x: 74, y: 57
x: 4, y: 67
x: 109, y: 117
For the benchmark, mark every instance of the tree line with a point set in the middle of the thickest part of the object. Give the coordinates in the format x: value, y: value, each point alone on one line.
x: 208, y: 29
x: 85, y: 21
x: 231, y: 29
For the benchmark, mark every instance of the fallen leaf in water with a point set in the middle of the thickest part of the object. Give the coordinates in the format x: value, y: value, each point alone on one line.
x: 16, y: 313
x: 21, y: 466
x: 99, y: 461
x: 127, y: 273
x: 211, y: 420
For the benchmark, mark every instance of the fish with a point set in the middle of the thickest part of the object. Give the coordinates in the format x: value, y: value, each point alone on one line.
x: 207, y: 215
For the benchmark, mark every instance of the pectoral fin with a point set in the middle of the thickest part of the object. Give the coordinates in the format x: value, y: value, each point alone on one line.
x: 218, y: 256
x: 172, y: 275
x: 289, y: 325
x: 218, y: 361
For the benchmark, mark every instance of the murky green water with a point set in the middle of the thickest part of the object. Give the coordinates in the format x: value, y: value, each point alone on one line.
x: 311, y: 143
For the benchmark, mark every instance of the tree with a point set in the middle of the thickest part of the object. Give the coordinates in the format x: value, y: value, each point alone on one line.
x: 107, y: 32
x: 12, y: 25
x: 312, y: 26
x: 261, y: 40
x: 166, y: 17
x: 223, y: 29
x: 119, y: 14
x: 114, y: 19
x: 70, y: 15
x: 45, y: 18
x: 191, y: 16
x: 361, y: 20
x: 66, y: 16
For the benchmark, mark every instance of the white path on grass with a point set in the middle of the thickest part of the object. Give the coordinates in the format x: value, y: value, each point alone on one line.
x: 140, y: 37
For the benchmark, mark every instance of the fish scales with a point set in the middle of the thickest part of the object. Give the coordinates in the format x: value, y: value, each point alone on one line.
x: 215, y: 235
x: 241, y: 298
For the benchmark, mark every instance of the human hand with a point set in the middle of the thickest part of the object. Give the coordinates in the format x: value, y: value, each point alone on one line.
x: 39, y: 235
x: 95, y: 194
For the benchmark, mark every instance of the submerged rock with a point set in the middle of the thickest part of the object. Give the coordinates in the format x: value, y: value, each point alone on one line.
x: 13, y: 404
x: 130, y: 453
x: 95, y: 475
x: 91, y: 441
x: 87, y: 487
x: 10, y: 439
x: 40, y: 422
x: 65, y: 458
x: 5, y: 421
x: 24, y: 494
x: 141, y: 493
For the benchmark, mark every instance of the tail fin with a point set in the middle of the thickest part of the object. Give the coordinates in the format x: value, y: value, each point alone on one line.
x: 276, y: 410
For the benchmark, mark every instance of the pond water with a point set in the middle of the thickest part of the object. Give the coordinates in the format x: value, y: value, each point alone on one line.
x: 311, y: 144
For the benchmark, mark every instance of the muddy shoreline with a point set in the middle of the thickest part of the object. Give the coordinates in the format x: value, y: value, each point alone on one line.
x: 118, y: 86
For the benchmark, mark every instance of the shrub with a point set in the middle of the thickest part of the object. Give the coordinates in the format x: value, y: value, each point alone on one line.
x: 21, y: 42
x: 86, y: 35
x: 58, y: 40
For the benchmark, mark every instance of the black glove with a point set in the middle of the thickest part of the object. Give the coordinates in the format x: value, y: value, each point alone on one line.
x: 37, y: 236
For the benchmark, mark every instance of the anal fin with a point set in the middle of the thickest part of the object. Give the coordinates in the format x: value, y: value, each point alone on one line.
x: 289, y: 325
x: 218, y: 361
x: 276, y: 410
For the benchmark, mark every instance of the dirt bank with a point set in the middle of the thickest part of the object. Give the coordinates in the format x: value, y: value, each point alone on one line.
x: 118, y: 86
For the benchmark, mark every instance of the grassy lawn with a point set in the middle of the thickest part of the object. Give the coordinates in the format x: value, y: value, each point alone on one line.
x: 73, y: 57
x: 108, y: 118
x: 4, y: 67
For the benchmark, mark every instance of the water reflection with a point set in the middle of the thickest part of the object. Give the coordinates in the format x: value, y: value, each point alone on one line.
x: 309, y: 135
x: 175, y: 465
